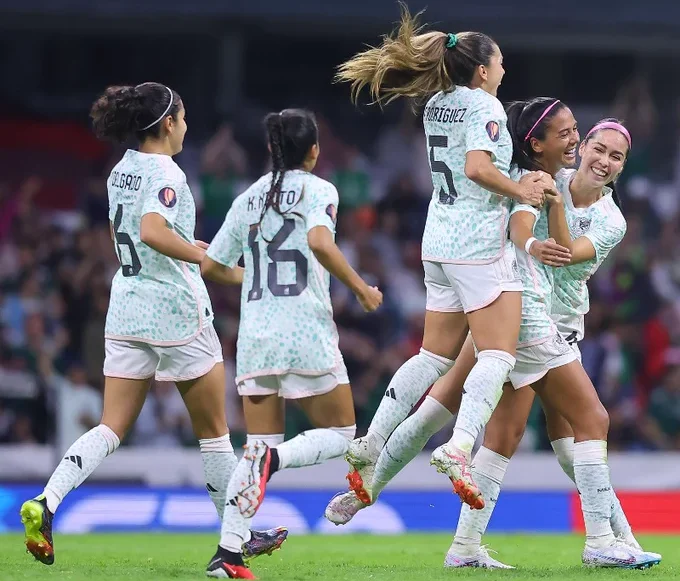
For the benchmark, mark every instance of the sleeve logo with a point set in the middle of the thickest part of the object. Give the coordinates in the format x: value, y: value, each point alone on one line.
x: 493, y: 131
x: 332, y: 212
x: 167, y: 197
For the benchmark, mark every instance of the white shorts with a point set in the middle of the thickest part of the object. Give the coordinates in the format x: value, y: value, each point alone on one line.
x: 137, y: 360
x: 294, y: 385
x: 533, y: 362
x: 452, y: 288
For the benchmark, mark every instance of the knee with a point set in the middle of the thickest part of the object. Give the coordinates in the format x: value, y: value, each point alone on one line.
x: 594, y: 424
x: 504, y: 439
x: 348, y: 432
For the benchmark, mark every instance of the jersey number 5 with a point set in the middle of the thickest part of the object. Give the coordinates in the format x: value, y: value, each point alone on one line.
x: 445, y: 197
x: 123, y: 239
x: 276, y: 255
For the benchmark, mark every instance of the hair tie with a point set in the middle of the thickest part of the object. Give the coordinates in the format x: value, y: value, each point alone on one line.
x: 167, y: 110
x: 452, y: 40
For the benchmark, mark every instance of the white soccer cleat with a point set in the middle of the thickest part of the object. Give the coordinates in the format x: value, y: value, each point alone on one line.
x: 619, y: 554
x: 362, y: 457
x: 481, y: 559
x: 632, y: 542
x: 252, y: 474
x: 342, y: 507
x: 455, y: 464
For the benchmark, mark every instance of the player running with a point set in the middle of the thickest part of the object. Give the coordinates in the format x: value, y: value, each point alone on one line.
x: 284, y: 227
x: 159, y: 322
x: 596, y: 225
x: 470, y: 265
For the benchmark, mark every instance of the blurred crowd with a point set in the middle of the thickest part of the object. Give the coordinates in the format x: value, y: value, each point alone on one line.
x: 56, y: 266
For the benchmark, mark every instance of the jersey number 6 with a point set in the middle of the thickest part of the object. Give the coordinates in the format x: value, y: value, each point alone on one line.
x: 276, y: 255
x: 445, y: 197
x: 123, y: 239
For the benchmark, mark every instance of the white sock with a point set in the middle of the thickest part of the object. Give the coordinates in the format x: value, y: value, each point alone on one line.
x: 219, y: 462
x: 81, y: 459
x: 482, y: 391
x: 408, y: 385
x: 272, y: 440
x: 315, y: 446
x: 564, y: 450
x: 488, y: 470
x: 594, y: 485
x: 408, y: 440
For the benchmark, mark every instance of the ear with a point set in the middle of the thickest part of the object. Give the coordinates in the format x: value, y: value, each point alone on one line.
x: 581, y: 148
x: 481, y: 69
x: 536, y: 145
x: 314, y: 151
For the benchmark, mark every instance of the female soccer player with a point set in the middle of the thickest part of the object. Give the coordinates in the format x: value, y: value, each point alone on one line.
x: 284, y: 227
x: 159, y: 322
x: 470, y: 265
x: 596, y: 225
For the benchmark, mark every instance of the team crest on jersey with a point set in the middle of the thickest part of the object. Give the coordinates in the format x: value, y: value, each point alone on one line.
x: 332, y: 212
x: 167, y: 197
x: 582, y: 225
x: 493, y: 130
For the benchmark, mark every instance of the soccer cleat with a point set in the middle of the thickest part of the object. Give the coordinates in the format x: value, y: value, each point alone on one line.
x: 220, y: 567
x: 456, y: 465
x: 620, y: 555
x: 264, y: 542
x: 37, y: 521
x: 362, y: 456
x: 631, y: 541
x: 252, y: 473
x: 481, y: 559
x: 342, y: 507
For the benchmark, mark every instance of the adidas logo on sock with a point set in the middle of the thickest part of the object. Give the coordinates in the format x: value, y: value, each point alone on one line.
x: 77, y: 460
x: 233, y: 501
x: 390, y: 393
x: 210, y: 488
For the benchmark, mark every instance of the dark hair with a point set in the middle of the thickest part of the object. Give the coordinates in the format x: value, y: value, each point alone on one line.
x: 124, y: 111
x: 589, y: 136
x: 291, y: 134
x: 523, y: 121
x: 413, y: 63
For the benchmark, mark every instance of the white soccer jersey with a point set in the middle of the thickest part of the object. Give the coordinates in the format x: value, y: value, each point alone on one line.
x: 286, y: 315
x: 465, y: 222
x: 154, y: 299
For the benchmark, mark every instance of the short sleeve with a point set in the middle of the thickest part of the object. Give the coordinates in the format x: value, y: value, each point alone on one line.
x: 323, y: 206
x: 226, y: 247
x: 484, y: 127
x: 605, y: 237
x: 525, y: 208
x: 161, y: 197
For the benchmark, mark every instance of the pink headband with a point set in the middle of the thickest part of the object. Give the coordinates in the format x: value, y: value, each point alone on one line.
x: 548, y: 109
x: 616, y: 127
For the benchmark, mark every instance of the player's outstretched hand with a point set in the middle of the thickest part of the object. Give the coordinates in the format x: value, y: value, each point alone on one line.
x: 202, y: 245
x: 370, y: 299
x: 550, y: 253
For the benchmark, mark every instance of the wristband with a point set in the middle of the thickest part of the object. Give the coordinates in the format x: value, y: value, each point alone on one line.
x: 527, y: 246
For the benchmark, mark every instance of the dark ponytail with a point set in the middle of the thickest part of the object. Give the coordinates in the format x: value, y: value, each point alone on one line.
x: 125, y: 111
x: 591, y: 134
x: 527, y: 120
x: 291, y: 134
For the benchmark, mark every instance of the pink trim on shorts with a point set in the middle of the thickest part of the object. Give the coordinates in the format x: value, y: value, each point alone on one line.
x: 189, y: 377
x: 116, y: 375
x: 503, y: 289
x: 443, y: 309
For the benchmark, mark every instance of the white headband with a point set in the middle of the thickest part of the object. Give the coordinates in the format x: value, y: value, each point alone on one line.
x: 164, y: 112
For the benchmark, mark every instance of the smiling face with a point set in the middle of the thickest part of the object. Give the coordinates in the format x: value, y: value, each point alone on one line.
x: 558, y: 149
x: 603, y: 156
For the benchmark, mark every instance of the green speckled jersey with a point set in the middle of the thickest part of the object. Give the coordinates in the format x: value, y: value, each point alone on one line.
x: 465, y: 222
x: 286, y: 315
x: 154, y: 299
x: 604, y: 225
x: 537, y: 279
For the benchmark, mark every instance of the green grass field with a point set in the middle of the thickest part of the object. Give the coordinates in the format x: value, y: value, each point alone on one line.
x: 162, y: 557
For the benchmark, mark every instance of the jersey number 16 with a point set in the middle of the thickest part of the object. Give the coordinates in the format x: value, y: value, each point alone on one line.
x: 277, y: 256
